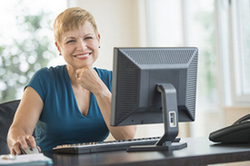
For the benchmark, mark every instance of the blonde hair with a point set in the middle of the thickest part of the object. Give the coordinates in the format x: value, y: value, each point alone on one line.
x: 72, y: 19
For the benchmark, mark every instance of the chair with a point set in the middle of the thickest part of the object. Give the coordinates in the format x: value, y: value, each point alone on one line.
x: 7, y: 112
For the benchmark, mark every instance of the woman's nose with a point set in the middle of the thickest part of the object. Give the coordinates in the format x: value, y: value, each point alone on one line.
x: 81, y: 45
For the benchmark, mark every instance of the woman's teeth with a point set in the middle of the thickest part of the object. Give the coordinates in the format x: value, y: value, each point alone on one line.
x: 82, y: 55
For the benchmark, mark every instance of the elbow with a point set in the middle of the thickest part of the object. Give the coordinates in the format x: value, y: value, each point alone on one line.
x: 132, y: 132
x: 128, y: 133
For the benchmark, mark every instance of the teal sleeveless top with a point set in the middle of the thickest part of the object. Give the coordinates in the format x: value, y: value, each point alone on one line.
x: 61, y: 121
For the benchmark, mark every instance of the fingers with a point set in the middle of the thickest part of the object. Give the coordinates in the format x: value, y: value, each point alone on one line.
x: 79, y: 73
x: 24, y: 142
x: 31, y: 141
x: 87, y: 72
x: 88, y: 78
x: 38, y: 148
x: 15, y: 149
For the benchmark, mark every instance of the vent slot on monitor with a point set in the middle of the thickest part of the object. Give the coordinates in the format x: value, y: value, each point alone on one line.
x: 191, y: 86
x: 128, y: 87
x: 144, y: 56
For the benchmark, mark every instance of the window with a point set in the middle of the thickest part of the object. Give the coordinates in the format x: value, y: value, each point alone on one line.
x: 233, y: 50
x: 240, y: 41
x: 26, y: 42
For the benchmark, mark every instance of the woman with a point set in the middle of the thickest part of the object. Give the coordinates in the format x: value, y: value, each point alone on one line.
x: 69, y: 103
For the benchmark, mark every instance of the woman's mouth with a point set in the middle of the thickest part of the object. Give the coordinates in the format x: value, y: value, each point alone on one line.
x: 82, y: 55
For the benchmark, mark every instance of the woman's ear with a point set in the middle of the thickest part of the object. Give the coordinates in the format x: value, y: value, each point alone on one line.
x: 58, y: 48
x: 99, y: 37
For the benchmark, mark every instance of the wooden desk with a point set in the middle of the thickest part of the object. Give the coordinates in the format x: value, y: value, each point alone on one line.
x: 200, y: 151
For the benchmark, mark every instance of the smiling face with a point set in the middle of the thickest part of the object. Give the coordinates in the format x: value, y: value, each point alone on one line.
x: 79, y: 47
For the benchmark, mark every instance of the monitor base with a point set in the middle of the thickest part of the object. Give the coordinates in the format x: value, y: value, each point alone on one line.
x: 173, y: 146
x: 168, y: 141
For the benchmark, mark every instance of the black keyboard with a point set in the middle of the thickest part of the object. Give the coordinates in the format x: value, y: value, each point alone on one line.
x: 93, y: 147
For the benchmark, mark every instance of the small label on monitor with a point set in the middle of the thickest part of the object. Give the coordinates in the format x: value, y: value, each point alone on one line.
x: 172, y: 119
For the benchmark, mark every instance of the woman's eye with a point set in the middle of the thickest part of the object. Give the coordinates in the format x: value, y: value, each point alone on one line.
x: 88, y: 38
x: 70, y: 41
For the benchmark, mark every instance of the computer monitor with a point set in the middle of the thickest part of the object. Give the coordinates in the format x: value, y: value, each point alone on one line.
x: 154, y: 85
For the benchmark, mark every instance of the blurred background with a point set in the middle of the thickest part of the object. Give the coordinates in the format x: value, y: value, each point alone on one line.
x: 219, y: 28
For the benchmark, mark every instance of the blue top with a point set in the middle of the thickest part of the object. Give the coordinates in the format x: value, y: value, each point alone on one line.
x: 61, y: 121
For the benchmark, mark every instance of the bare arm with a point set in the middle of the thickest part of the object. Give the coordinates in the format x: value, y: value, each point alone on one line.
x: 103, y: 98
x: 25, y: 120
x: 90, y: 80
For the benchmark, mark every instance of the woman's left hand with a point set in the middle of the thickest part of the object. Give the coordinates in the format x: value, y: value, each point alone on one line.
x: 88, y: 78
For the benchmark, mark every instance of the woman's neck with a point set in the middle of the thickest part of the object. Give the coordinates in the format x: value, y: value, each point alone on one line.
x: 72, y: 74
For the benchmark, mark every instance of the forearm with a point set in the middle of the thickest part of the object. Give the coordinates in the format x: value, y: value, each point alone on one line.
x: 122, y: 132
x: 24, y: 122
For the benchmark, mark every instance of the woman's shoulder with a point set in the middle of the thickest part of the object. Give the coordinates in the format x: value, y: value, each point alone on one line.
x: 106, y: 76
x: 103, y: 72
x: 51, y: 71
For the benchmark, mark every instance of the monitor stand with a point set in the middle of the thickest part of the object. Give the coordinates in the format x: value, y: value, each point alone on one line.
x: 170, y: 118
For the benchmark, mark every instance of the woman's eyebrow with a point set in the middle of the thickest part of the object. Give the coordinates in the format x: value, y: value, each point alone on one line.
x: 68, y: 38
x: 88, y: 34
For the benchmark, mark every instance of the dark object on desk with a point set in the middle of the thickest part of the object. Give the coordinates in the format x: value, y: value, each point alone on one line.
x: 238, y: 132
x: 7, y: 112
x: 105, y: 146
x: 29, y: 150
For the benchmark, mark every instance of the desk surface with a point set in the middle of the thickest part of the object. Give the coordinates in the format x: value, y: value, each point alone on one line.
x: 200, y: 151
